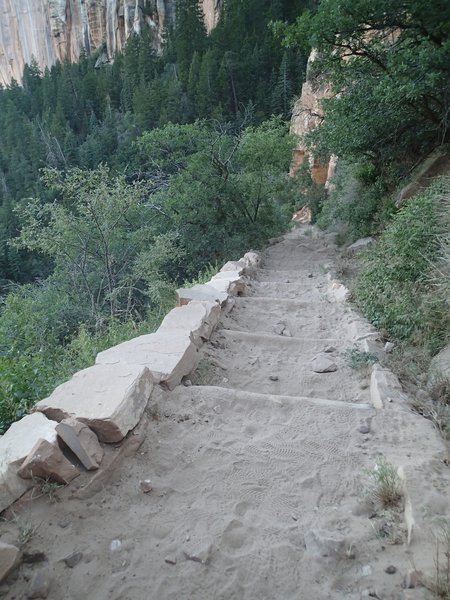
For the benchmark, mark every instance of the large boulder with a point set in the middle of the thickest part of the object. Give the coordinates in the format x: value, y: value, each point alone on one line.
x: 110, y: 398
x: 197, y: 319
x: 168, y: 356
x: 15, y: 446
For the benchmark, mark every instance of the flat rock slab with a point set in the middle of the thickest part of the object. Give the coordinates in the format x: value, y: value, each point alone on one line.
x: 110, y: 398
x: 385, y: 387
x: 197, y: 319
x: 9, y: 559
x: 15, y: 446
x: 46, y: 461
x: 201, y: 292
x: 82, y: 441
x: 169, y: 357
x: 235, y: 265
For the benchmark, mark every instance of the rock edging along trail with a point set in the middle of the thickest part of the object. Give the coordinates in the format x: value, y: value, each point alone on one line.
x: 111, y: 396
x: 248, y: 481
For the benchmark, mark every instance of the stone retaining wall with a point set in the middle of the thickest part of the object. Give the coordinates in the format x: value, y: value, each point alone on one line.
x: 106, y: 401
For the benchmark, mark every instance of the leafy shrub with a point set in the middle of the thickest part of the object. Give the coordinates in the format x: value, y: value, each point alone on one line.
x: 394, y: 289
x: 358, y: 206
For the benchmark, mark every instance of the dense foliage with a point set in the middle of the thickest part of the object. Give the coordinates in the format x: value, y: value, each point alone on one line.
x: 398, y: 289
x: 80, y: 115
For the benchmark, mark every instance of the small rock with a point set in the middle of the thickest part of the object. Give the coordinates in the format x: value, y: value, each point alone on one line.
x: 187, y: 383
x: 39, y: 585
x: 64, y: 523
x: 225, y: 379
x: 73, y: 559
x: 279, y: 328
x: 170, y: 560
x: 9, y: 558
x: 366, y: 570
x: 364, y: 429
x: 411, y: 579
x: 273, y: 377
x: 329, y: 349
x: 310, y: 275
x: 390, y: 570
x: 287, y: 332
x: 322, y: 364
x: 252, y: 360
x: 203, y: 556
x: 388, y: 347
x: 146, y: 485
x: 115, y: 545
x: 33, y: 557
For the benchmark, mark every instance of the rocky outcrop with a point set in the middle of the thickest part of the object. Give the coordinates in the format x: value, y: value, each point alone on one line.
x: 307, y: 115
x: 54, y: 30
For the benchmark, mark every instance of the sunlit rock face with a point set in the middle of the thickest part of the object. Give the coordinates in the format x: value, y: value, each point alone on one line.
x: 307, y: 115
x: 51, y: 30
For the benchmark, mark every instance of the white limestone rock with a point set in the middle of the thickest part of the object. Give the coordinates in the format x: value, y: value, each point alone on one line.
x: 197, y: 319
x: 110, y: 398
x: 360, y: 244
x: 253, y: 259
x: 168, y: 356
x: 15, y: 446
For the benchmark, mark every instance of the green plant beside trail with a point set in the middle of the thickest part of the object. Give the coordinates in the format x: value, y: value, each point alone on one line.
x: 397, y: 288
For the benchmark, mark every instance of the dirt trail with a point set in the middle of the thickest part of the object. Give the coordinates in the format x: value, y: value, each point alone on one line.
x: 256, y: 468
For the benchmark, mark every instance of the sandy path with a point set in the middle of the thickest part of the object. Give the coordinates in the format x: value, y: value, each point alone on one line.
x: 256, y: 468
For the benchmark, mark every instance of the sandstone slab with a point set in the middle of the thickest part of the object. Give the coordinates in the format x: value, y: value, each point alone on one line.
x: 9, y: 559
x: 197, y: 319
x: 46, y: 461
x: 230, y: 282
x: 168, y: 357
x: 235, y: 265
x: 15, y: 446
x: 82, y: 441
x: 384, y: 387
x: 201, y: 292
x: 110, y: 398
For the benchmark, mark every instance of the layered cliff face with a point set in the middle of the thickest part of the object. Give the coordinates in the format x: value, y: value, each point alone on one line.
x: 307, y: 115
x: 51, y: 30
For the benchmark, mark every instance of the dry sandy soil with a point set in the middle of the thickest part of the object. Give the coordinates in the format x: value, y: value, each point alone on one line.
x: 258, y: 469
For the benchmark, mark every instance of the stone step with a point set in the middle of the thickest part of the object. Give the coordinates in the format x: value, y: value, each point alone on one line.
x: 216, y: 395
x: 319, y: 319
x: 271, y: 364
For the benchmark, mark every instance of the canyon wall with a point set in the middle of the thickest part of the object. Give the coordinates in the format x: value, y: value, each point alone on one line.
x: 52, y: 30
x: 307, y: 115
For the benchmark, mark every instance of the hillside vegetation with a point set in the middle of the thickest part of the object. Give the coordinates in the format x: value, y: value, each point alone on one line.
x: 388, y: 63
